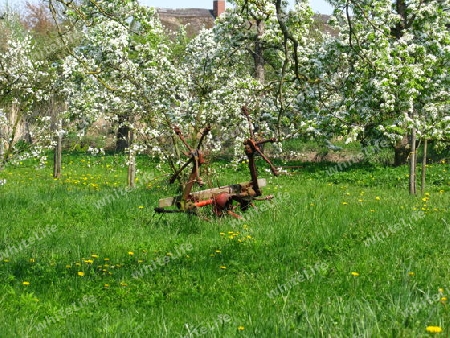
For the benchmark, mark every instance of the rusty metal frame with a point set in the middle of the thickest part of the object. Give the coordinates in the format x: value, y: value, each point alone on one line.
x: 220, y: 198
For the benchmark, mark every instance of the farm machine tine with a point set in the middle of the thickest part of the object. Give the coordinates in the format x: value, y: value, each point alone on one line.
x: 251, y: 148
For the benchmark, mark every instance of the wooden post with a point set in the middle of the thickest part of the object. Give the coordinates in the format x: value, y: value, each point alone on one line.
x: 412, y: 163
x: 57, y: 154
x: 131, y: 162
x: 424, y: 166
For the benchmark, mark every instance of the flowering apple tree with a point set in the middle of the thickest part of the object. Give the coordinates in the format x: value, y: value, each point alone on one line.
x: 122, y: 72
x: 24, y: 84
x: 393, y: 77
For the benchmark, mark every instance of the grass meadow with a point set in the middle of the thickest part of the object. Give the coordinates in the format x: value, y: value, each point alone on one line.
x: 348, y: 254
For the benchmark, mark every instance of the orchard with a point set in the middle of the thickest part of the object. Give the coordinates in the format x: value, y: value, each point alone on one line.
x: 102, y: 107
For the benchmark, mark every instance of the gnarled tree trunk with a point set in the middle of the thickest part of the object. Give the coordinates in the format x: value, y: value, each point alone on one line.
x: 401, y: 151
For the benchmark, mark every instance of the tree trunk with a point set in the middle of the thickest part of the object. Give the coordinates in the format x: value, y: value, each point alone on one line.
x: 424, y: 166
x: 16, y: 117
x: 401, y: 152
x: 123, y: 133
x: 399, y: 30
x: 412, y: 163
x: 258, y: 56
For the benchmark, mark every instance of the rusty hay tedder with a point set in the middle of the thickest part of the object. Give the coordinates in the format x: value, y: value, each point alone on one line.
x: 222, y: 198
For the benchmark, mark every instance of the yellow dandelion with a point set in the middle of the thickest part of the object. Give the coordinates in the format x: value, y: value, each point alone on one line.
x: 443, y: 300
x: 32, y: 260
x: 141, y: 207
x: 106, y: 286
x: 355, y: 274
x: 89, y: 261
x: 441, y: 290
x: 26, y: 283
x: 434, y: 329
x: 218, y: 251
x: 223, y: 267
x: 131, y: 253
x: 411, y: 273
x: 378, y: 198
x: 80, y: 273
x: 94, y: 256
x: 344, y: 203
x: 221, y: 233
x: 140, y: 260
x: 241, y: 328
x: 106, y: 259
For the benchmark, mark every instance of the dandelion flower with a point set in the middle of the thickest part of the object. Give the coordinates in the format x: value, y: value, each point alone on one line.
x: 80, y: 273
x: 434, y: 329
x: 441, y: 290
x: 411, y: 273
x: 218, y: 251
x: 131, y: 253
x: 344, y: 203
x: 355, y: 274
x: 26, y: 283
x: 378, y: 198
x: 241, y: 328
x: 141, y: 207
x: 223, y: 267
x: 94, y: 256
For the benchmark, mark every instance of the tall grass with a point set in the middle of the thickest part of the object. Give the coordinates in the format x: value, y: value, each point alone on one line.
x: 343, y: 256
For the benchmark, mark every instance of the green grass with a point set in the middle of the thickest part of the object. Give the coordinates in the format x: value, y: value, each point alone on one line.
x: 283, y: 271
